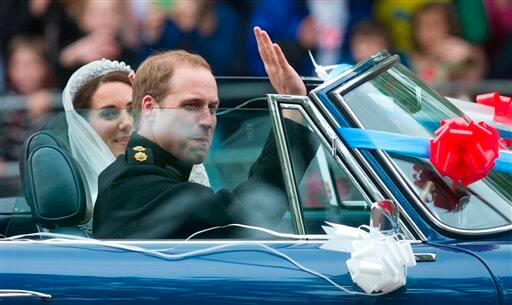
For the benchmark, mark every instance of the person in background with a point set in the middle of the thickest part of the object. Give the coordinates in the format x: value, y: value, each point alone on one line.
x: 53, y: 21
x: 499, y: 45
x: 440, y: 54
x: 100, y: 23
x: 291, y: 25
x: 397, y: 16
x: 210, y: 29
x: 369, y: 37
x: 29, y: 103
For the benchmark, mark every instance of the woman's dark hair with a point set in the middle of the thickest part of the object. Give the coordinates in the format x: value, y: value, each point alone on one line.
x: 83, y: 96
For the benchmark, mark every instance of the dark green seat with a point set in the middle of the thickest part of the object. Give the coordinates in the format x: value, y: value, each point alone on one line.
x: 52, y: 185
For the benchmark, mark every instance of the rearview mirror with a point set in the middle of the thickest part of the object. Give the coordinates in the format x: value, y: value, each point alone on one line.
x: 384, y: 216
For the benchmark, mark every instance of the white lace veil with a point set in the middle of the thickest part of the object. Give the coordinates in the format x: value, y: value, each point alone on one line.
x: 87, y: 147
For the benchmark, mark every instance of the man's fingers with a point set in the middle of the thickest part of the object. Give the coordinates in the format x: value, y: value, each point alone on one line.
x: 261, y: 48
x: 281, y: 59
x: 267, y: 46
x: 263, y: 52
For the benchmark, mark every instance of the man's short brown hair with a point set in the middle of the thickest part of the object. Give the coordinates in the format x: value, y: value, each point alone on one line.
x: 152, y: 76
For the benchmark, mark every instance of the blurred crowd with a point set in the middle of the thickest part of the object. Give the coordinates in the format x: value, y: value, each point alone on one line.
x: 44, y: 41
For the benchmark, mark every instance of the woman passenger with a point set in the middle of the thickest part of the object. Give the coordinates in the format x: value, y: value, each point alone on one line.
x: 97, y: 101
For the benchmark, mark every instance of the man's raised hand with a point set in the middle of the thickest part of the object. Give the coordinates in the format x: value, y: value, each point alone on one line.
x: 282, y: 76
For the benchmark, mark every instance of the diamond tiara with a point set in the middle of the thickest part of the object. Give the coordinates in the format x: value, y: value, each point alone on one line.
x: 93, y: 70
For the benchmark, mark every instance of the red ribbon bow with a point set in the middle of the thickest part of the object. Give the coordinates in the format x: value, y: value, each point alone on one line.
x: 464, y: 151
x: 502, y: 106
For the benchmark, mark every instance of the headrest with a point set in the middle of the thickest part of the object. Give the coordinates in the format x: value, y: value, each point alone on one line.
x: 37, y: 139
x: 53, y: 185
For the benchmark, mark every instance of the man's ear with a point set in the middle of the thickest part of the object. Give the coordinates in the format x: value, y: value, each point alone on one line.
x: 148, y: 102
x: 148, y: 105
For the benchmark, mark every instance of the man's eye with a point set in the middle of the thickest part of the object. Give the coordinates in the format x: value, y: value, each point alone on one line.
x: 109, y: 114
x: 213, y: 110
x: 192, y: 108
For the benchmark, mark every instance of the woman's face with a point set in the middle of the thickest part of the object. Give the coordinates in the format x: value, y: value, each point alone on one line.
x: 110, y: 115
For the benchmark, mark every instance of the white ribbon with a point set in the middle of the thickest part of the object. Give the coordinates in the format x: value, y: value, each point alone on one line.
x: 377, y: 262
x: 322, y: 71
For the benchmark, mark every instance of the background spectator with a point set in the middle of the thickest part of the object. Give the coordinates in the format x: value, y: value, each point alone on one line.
x: 29, y: 78
x: 100, y: 25
x: 51, y: 20
x: 369, y: 37
x: 211, y: 29
x: 397, y: 16
x: 440, y: 55
x: 291, y: 26
x: 499, y: 45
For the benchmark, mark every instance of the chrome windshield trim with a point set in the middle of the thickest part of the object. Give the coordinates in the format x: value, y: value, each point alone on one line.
x: 366, y: 75
x: 388, y: 162
x: 291, y: 189
x: 323, y: 129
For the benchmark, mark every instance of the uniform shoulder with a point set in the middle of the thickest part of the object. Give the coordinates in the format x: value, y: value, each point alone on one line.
x: 139, y: 155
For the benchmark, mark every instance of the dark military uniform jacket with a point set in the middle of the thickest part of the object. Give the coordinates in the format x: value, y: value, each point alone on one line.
x: 146, y: 194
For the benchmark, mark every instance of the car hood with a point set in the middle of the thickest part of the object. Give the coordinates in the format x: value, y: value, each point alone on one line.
x: 497, y: 256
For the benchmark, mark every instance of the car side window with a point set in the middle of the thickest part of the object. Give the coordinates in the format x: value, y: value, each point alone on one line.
x: 325, y: 191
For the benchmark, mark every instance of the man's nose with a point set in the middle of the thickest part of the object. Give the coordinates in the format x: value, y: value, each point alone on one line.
x: 206, y: 118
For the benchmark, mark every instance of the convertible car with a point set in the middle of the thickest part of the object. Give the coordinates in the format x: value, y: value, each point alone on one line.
x: 460, y: 235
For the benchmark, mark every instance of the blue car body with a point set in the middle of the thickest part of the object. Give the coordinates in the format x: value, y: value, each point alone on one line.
x: 459, y: 268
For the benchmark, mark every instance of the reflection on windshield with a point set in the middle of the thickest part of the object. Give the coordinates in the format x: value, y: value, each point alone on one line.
x: 396, y: 101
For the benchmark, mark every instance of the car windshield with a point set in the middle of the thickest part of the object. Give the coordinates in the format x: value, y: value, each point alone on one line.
x: 396, y: 101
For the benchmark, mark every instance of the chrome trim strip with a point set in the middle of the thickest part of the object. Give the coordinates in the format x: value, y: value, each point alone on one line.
x: 359, y: 79
x: 425, y: 257
x: 301, y: 239
x: 291, y: 188
x: 395, y: 171
x: 11, y: 293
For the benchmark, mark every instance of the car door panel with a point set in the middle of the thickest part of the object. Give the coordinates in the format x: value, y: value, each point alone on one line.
x: 241, y: 274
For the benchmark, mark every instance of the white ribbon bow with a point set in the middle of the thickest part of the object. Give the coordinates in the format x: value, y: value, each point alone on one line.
x: 377, y: 262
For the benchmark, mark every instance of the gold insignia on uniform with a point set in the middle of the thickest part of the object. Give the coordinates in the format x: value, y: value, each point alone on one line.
x: 139, y: 148
x: 140, y: 156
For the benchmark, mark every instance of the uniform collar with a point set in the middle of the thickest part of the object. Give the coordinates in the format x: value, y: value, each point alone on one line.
x: 161, y: 157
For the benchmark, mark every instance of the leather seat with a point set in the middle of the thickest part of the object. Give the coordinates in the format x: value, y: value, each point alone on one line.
x: 52, y: 185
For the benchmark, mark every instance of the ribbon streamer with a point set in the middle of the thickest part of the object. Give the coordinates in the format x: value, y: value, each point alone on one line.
x: 377, y: 262
x: 405, y: 145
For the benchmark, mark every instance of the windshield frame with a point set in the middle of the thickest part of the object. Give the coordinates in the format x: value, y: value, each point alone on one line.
x: 328, y: 137
x: 363, y: 72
